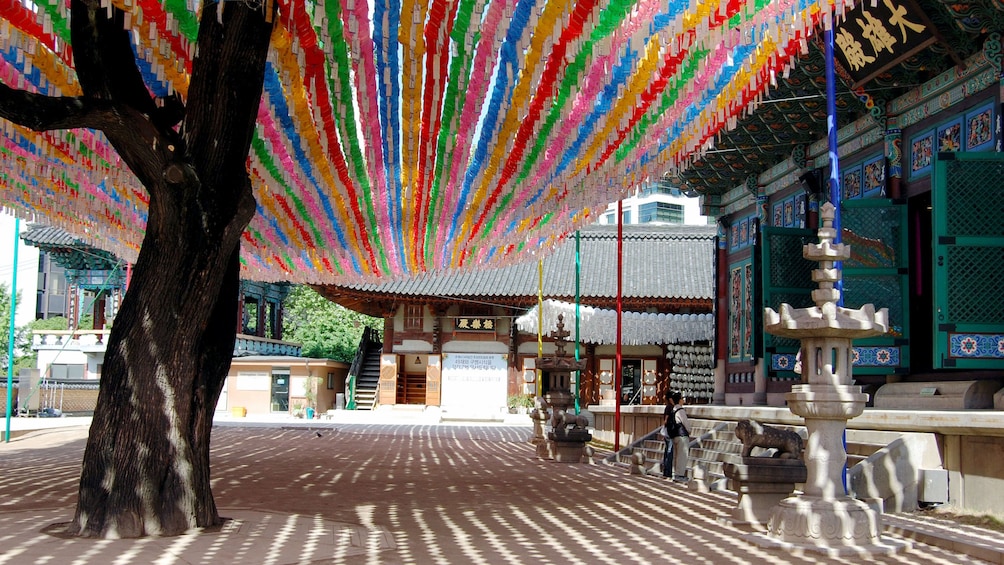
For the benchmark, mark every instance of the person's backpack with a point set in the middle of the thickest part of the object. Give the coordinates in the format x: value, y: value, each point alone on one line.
x: 672, y: 428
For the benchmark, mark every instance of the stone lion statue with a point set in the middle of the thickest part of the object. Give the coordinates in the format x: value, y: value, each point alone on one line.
x: 570, y: 420
x: 789, y: 445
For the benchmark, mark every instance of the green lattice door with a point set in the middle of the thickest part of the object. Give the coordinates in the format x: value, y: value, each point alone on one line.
x: 786, y: 279
x: 967, y: 196
x: 877, y: 273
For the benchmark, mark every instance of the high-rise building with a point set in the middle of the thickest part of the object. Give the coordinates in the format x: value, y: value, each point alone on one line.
x: 657, y: 203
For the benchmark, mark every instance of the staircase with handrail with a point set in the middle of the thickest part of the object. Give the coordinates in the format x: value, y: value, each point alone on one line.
x: 713, y: 444
x: 364, y: 373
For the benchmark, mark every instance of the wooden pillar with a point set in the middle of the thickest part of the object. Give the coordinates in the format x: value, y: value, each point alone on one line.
x: 278, y: 319
x: 72, y: 295
x: 240, y: 313
x: 260, y: 326
x: 722, y: 313
x: 388, y: 331
x: 98, y: 311
x: 894, y: 160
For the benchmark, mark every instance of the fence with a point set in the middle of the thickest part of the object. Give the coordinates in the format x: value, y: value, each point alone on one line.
x: 70, y: 397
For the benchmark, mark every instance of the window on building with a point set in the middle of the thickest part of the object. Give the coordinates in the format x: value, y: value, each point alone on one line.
x: 661, y: 187
x: 608, y: 218
x: 272, y: 320
x: 66, y: 372
x: 250, y: 316
x: 663, y: 212
x: 626, y: 217
x: 414, y: 315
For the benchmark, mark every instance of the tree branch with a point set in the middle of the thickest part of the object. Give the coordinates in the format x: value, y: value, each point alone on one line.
x: 103, y: 56
x: 138, y: 140
x: 43, y: 113
x: 137, y: 128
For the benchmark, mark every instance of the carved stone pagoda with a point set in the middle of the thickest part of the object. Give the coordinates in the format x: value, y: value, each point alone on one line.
x: 823, y: 517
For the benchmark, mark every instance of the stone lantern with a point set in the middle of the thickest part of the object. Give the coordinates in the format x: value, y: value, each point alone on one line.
x: 824, y: 517
x: 568, y: 435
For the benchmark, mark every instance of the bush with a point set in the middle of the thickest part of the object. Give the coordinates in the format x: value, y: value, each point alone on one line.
x: 515, y: 401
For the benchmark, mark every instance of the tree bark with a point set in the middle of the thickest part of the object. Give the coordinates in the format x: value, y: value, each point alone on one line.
x: 146, y: 463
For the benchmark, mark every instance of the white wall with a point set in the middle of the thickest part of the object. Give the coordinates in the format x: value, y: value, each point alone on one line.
x: 460, y: 346
x: 27, y: 271
x: 474, y: 384
x: 73, y: 356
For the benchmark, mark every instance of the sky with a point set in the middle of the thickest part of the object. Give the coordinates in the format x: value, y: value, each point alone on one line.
x: 27, y: 271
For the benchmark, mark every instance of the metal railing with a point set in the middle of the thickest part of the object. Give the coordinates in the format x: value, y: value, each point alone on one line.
x: 365, y: 341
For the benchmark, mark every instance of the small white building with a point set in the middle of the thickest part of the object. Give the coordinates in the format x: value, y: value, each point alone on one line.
x: 70, y: 354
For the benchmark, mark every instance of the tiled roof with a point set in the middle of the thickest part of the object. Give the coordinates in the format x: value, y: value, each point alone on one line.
x: 68, y: 251
x: 44, y: 237
x: 674, y: 262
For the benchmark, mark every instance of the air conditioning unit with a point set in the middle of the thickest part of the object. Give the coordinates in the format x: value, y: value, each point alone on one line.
x: 932, y: 486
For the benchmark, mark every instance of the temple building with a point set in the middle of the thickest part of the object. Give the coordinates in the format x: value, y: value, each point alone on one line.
x: 452, y: 339
x: 918, y: 187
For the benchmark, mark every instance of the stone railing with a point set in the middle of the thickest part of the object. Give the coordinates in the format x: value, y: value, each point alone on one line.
x: 71, y: 339
x: 96, y: 340
x: 254, y: 345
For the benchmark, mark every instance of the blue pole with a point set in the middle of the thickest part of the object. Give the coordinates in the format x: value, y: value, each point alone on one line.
x: 831, y: 132
x: 10, y: 337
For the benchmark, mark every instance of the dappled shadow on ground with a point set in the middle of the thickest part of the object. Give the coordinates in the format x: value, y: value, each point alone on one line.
x: 418, y: 494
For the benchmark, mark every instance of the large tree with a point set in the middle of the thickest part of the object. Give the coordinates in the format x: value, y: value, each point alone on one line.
x: 146, y: 464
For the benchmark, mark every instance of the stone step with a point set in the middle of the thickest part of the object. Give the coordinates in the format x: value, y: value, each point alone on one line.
x: 862, y: 449
x: 714, y: 445
x: 724, y: 446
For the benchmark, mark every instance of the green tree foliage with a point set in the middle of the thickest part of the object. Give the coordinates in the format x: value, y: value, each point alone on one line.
x: 26, y: 358
x: 5, y: 320
x: 325, y: 329
x: 5, y: 304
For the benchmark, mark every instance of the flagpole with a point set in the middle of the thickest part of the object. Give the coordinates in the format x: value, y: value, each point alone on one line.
x: 835, y: 192
x: 540, y: 310
x: 540, y: 326
x: 831, y: 133
x: 10, y: 337
x: 578, y: 270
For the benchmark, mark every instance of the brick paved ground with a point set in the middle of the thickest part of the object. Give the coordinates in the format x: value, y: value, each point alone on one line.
x: 395, y: 493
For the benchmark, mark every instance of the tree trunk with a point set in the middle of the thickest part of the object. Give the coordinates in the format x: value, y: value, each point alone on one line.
x: 146, y: 464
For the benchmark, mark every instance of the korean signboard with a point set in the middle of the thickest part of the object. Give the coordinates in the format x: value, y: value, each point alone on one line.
x: 475, y: 324
x: 878, y: 34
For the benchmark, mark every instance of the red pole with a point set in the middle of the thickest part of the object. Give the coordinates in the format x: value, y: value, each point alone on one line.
x: 617, y: 364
